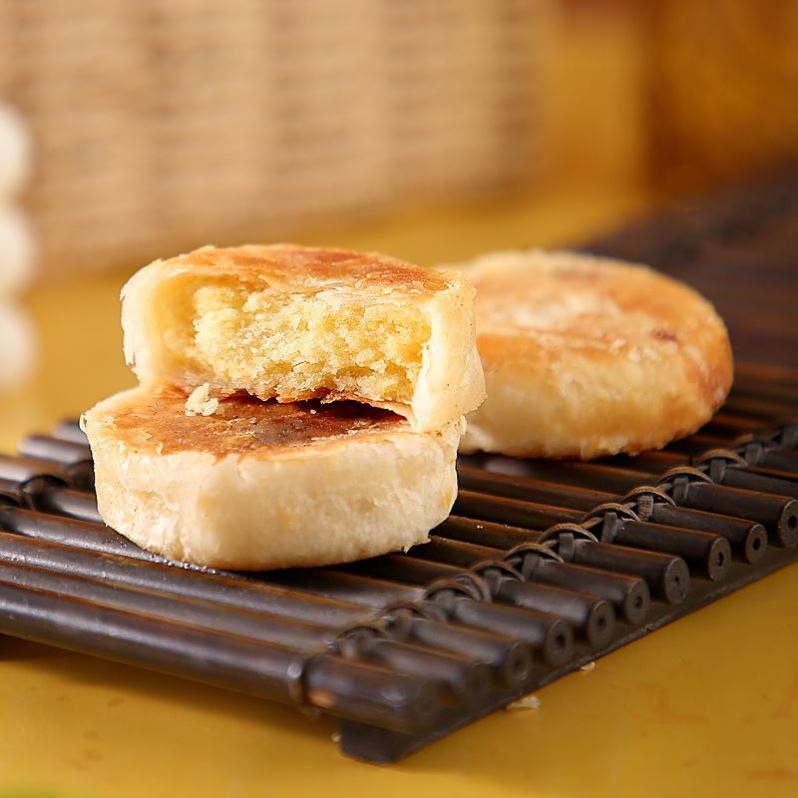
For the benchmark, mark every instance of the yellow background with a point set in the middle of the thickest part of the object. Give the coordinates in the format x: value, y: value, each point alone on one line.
x: 707, y: 706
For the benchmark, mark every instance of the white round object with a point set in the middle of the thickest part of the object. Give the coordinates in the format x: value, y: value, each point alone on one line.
x: 16, y: 151
x: 17, y: 251
x: 17, y: 347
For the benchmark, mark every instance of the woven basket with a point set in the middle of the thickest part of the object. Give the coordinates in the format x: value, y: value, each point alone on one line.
x: 161, y: 125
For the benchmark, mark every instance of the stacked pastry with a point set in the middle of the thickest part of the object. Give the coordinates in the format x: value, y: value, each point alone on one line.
x: 296, y: 406
x: 16, y: 250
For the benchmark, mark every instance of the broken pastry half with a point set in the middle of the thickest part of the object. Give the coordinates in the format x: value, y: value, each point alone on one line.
x: 256, y: 485
x: 295, y: 323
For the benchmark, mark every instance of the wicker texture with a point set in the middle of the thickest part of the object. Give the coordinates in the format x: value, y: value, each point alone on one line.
x: 163, y: 125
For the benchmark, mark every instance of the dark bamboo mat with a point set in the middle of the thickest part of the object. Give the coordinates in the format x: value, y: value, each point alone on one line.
x: 541, y: 568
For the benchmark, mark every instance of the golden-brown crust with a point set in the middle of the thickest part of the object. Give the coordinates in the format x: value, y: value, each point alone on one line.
x: 214, y: 492
x: 443, y: 372
x: 241, y: 424
x: 603, y: 310
x: 630, y: 357
x: 292, y: 263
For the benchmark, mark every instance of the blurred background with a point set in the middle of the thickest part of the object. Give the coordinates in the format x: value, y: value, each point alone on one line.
x: 429, y: 129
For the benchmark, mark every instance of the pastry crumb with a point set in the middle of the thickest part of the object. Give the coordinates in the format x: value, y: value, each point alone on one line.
x: 525, y: 702
x: 588, y: 666
x: 201, y: 403
x: 336, y: 737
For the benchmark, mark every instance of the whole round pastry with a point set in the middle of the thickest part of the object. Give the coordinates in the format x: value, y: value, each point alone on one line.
x: 241, y: 483
x: 587, y: 356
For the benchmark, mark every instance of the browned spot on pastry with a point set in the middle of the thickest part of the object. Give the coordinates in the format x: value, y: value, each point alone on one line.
x: 665, y: 335
x: 290, y: 262
x: 242, y: 424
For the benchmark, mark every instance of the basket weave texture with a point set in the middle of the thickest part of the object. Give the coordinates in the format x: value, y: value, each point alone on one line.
x: 163, y: 124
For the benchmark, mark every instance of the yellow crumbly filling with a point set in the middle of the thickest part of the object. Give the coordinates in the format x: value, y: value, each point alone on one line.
x: 273, y: 343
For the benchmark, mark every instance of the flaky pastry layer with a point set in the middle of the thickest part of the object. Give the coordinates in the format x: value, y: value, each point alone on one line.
x: 295, y: 323
x: 258, y: 485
